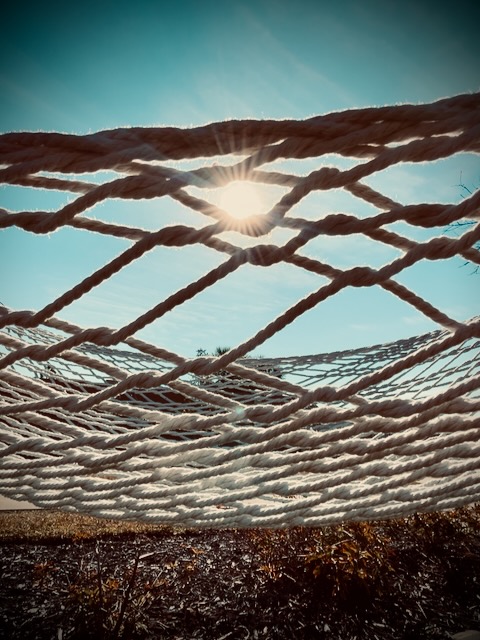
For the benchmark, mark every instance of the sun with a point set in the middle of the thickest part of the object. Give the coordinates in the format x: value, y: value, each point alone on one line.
x: 241, y: 200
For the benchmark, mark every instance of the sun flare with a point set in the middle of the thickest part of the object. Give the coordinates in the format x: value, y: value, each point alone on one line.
x: 241, y: 199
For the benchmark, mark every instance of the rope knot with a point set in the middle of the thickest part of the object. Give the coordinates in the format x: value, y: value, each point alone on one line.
x: 263, y: 255
x: 324, y: 178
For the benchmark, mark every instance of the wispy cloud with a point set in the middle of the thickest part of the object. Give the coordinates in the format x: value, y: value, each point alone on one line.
x: 288, y: 64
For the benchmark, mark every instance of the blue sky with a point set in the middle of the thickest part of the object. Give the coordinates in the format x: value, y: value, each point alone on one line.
x: 94, y: 66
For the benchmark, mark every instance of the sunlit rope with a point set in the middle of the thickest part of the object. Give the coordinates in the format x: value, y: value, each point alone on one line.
x: 97, y: 420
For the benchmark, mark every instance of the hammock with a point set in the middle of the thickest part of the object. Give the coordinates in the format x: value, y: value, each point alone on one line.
x: 99, y: 421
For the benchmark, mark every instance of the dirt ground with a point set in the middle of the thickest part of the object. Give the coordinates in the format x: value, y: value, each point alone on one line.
x: 66, y: 576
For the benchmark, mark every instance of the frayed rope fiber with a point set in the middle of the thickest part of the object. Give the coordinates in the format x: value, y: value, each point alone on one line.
x: 99, y: 421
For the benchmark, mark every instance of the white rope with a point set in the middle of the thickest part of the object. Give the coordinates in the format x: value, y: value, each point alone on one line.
x: 137, y: 431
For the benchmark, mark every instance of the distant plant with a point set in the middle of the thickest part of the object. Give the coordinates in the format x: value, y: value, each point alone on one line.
x: 461, y: 225
x: 222, y: 375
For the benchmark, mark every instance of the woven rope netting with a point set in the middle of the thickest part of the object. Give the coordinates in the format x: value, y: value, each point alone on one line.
x: 100, y: 421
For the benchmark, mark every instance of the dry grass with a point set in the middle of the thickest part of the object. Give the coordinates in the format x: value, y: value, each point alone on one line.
x: 89, y: 579
x: 38, y: 525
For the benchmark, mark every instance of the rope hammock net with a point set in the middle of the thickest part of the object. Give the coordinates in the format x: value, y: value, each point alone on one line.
x: 99, y: 421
